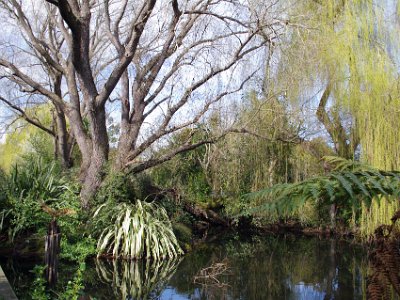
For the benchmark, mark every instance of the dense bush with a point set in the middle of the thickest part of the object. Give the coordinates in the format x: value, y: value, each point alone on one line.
x: 34, y: 192
x: 119, y: 187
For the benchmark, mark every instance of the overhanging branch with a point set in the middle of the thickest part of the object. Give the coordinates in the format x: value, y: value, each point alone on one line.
x: 28, y: 119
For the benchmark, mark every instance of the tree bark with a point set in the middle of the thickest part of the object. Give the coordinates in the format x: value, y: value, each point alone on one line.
x: 94, y: 174
x: 62, y: 137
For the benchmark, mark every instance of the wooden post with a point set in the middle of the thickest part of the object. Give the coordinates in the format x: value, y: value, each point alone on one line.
x: 52, y: 249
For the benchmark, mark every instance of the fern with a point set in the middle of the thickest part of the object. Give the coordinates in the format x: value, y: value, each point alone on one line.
x: 349, y: 183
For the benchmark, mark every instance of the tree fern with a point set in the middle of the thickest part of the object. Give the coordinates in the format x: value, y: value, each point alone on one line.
x: 348, y: 183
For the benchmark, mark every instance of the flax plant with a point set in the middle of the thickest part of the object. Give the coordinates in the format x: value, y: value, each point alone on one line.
x: 140, y: 230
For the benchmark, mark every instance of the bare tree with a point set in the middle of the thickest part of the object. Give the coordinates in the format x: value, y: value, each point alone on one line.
x: 166, y: 62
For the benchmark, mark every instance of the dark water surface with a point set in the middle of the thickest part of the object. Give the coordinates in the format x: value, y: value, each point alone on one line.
x: 229, y: 267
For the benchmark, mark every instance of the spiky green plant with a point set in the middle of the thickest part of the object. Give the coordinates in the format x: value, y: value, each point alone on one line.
x: 36, y: 179
x: 136, y: 231
x: 349, y: 185
x: 30, y: 185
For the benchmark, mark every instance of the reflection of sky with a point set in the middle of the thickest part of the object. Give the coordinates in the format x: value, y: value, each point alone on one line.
x: 299, y: 291
x: 169, y: 293
x: 302, y: 291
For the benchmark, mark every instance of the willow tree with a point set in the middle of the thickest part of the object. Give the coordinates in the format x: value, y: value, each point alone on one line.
x: 257, y: 157
x: 164, y: 62
x: 348, y: 69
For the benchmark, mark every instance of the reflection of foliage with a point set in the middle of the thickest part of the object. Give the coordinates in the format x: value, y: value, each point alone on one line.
x: 277, y: 266
x: 269, y: 267
x: 71, y: 291
x: 384, y: 263
x: 38, y: 291
x: 74, y: 287
x: 137, y: 230
x: 136, y: 279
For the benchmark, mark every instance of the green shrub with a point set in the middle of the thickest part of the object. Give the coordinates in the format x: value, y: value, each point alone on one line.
x: 31, y: 186
x: 119, y: 187
x: 38, y: 291
x: 136, y: 231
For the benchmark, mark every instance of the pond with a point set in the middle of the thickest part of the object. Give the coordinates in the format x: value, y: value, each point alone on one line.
x: 231, y: 266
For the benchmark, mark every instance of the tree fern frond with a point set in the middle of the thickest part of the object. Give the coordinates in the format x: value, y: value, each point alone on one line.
x: 330, y: 189
x: 345, y: 183
x: 377, y: 186
x: 355, y: 180
x: 355, y: 183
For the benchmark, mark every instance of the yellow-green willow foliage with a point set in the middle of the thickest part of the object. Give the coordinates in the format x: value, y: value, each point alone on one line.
x: 349, y: 45
x: 23, y: 138
x: 245, y: 162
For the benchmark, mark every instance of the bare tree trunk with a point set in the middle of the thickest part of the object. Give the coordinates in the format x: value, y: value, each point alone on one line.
x: 124, y: 143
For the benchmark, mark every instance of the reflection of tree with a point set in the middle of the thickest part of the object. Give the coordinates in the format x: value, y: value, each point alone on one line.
x: 384, y: 263
x: 136, y: 279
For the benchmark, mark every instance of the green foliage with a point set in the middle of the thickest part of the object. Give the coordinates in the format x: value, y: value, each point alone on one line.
x: 77, y: 249
x: 31, y: 184
x: 353, y: 51
x: 348, y: 186
x: 120, y: 187
x: 3, y: 188
x: 74, y: 288
x: 306, y: 159
x: 135, y: 231
x: 248, y: 162
x: 39, y: 284
x: 25, y: 139
x: 185, y: 172
x: 36, y: 179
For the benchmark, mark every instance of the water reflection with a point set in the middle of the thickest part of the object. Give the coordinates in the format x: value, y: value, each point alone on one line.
x: 239, y: 267
x: 136, y: 279
x: 384, y: 265
x: 278, y: 268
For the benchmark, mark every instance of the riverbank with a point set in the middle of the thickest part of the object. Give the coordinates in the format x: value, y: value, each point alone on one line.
x: 6, y: 291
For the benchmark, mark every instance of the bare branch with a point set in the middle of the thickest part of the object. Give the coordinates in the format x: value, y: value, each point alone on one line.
x: 32, y: 83
x: 28, y: 119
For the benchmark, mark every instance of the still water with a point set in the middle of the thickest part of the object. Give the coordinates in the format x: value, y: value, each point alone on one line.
x: 232, y: 266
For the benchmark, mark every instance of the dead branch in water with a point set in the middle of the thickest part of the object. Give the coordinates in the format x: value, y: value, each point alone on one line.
x: 209, y: 276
